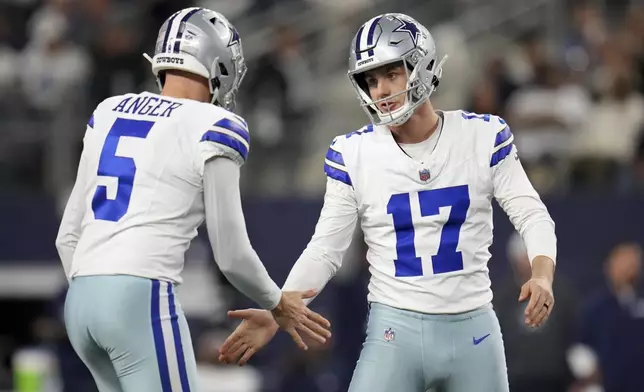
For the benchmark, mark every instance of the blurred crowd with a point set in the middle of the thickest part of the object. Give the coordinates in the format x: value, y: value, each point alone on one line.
x: 60, y: 58
x: 573, y: 96
x: 576, y: 108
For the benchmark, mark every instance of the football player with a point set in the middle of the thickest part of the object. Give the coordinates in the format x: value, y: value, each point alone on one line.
x: 420, y: 182
x: 153, y: 167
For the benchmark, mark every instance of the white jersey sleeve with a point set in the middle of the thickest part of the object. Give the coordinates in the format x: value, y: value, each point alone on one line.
x: 517, y: 196
x: 334, y: 231
x: 69, y: 231
x: 233, y: 252
x: 227, y: 137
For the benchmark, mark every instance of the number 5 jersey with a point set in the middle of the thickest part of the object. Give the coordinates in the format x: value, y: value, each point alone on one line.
x: 139, y: 189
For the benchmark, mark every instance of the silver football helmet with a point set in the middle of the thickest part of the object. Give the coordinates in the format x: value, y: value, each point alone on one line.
x: 387, y: 39
x: 205, y: 43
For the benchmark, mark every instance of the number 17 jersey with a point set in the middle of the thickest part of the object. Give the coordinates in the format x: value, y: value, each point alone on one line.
x: 428, y: 223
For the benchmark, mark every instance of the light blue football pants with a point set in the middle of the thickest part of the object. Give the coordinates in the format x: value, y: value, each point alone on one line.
x: 131, y: 333
x: 406, y: 351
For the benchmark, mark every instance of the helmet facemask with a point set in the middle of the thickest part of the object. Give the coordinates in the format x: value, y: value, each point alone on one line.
x: 422, y: 75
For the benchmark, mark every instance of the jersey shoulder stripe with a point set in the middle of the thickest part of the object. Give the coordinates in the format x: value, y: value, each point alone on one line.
x: 503, y: 143
x: 334, y: 165
x: 230, y: 134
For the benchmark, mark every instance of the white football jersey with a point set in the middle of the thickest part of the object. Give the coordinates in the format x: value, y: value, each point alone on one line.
x: 142, y: 166
x: 428, y: 224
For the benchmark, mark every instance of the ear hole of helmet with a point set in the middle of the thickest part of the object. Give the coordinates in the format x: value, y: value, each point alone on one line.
x: 435, y: 79
x: 215, y: 83
x: 223, y: 69
x: 362, y: 83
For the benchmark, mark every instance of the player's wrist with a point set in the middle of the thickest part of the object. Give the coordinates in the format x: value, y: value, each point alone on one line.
x: 274, y: 325
x: 278, y: 310
x: 543, y: 268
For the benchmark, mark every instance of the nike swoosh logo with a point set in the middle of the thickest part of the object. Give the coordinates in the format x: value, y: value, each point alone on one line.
x: 396, y: 42
x: 479, y: 340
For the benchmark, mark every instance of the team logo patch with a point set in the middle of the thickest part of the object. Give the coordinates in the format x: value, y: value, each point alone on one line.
x: 390, y: 334
x: 424, y: 174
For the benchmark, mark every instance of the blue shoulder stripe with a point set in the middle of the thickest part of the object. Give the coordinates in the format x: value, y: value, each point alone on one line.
x: 500, y: 155
x: 503, y: 136
x: 367, y: 129
x: 226, y: 140
x: 335, y: 156
x: 90, y: 123
x: 337, y: 174
x: 232, y: 126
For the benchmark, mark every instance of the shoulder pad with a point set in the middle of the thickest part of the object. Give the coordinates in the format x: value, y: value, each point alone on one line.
x: 232, y: 132
x: 497, y: 134
x: 360, y: 132
x: 334, y: 165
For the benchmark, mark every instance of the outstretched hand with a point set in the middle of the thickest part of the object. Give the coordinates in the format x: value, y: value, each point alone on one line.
x: 259, y: 326
x: 256, y: 330
x: 293, y: 316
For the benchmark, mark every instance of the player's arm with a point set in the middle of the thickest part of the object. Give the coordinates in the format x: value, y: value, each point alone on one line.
x: 531, y: 219
x: 222, y: 150
x: 315, y: 267
x: 323, y: 256
x: 70, y: 225
x: 522, y: 204
x: 226, y: 226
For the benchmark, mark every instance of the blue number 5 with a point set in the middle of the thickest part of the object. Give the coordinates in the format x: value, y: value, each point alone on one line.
x: 447, y: 259
x: 123, y: 168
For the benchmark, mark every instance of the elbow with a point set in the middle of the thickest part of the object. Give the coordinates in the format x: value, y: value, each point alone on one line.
x: 331, y: 260
x: 531, y: 218
x: 65, y: 243
x: 540, y: 221
x: 239, y: 277
x: 61, y: 242
x: 229, y: 266
x: 226, y: 268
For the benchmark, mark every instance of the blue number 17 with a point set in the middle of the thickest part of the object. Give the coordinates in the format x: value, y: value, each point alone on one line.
x: 123, y: 168
x: 447, y: 259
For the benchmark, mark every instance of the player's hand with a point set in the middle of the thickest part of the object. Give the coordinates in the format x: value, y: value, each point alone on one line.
x: 539, y: 290
x: 294, y: 316
x: 255, y: 331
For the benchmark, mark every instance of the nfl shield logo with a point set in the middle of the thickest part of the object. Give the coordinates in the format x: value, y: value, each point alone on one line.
x: 424, y: 174
x: 389, y: 334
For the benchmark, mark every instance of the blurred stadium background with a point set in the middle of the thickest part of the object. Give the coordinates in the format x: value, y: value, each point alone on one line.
x: 566, y: 74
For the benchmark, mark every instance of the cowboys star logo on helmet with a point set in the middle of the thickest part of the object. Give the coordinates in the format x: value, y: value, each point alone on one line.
x: 408, y: 27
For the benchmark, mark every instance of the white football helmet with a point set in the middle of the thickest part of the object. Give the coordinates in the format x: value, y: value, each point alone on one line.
x: 205, y: 43
x: 387, y: 39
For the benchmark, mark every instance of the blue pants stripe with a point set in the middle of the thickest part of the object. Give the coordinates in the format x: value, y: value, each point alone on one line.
x: 178, y: 346
x: 159, y: 344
